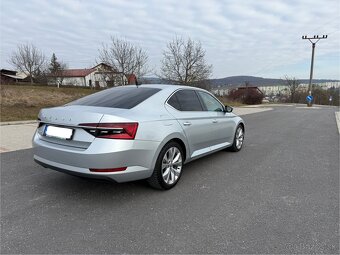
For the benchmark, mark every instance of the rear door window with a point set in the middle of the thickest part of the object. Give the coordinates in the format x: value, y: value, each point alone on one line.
x: 185, y: 100
x: 173, y: 101
x: 210, y: 103
x: 120, y: 97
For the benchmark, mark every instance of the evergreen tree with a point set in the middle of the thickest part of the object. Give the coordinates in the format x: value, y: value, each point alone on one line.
x: 56, y: 69
x: 54, y: 65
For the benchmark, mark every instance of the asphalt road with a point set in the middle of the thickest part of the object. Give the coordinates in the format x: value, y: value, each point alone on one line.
x: 280, y: 194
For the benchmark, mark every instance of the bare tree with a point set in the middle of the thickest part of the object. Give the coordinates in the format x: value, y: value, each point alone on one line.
x: 124, y: 57
x: 41, y: 75
x: 184, y: 62
x: 27, y: 58
x: 293, y: 85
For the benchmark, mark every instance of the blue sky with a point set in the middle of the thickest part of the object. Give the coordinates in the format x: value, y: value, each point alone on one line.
x: 248, y: 37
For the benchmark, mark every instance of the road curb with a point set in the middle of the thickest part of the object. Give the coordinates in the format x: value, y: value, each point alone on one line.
x: 337, y: 118
x: 19, y: 122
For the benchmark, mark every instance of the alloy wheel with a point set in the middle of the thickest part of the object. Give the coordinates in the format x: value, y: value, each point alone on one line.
x: 239, y: 137
x: 171, y: 165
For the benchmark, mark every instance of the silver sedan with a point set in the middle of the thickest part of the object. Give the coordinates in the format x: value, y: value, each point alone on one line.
x: 129, y: 133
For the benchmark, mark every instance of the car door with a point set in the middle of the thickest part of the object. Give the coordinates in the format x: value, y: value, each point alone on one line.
x: 186, y: 107
x: 223, y: 125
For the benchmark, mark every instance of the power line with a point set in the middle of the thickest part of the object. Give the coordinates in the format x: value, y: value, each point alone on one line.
x: 331, y: 21
x: 270, y: 64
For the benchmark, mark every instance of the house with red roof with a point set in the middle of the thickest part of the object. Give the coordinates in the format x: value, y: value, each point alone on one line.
x: 101, y: 75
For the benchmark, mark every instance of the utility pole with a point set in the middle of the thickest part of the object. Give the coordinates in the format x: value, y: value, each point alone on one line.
x: 316, y: 38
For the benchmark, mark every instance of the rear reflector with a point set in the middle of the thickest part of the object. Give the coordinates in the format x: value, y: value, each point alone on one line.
x: 111, y: 130
x: 106, y: 170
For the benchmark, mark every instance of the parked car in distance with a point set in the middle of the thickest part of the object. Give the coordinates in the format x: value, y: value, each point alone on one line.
x: 266, y: 100
x: 136, y: 132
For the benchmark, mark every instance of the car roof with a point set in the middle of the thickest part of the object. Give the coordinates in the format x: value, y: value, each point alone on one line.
x: 172, y: 87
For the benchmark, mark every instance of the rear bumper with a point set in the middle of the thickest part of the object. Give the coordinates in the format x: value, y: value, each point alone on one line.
x: 63, y: 170
x: 138, y: 156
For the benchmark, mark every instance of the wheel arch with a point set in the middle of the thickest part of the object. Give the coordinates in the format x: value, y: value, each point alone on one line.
x: 241, y: 123
x: 182, y: 144
x: 176, y: 137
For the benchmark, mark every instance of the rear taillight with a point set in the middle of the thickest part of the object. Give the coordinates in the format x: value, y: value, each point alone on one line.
x: 111, y: 130
x: 39, y: 123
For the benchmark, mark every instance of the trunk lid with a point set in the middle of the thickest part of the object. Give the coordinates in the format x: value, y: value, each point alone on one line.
x: 71, y: 117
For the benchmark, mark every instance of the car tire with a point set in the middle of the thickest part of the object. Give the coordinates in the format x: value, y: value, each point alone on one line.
x: 238, y: 139
x: 168, y: 168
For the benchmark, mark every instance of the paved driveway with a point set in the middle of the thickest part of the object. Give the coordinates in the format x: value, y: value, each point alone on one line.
x: 280, y: 194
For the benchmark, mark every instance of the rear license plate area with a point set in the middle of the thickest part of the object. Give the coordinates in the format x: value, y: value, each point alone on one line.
x: 58, y: 132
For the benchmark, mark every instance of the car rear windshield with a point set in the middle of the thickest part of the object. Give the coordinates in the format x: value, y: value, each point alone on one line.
x: 120, y: 97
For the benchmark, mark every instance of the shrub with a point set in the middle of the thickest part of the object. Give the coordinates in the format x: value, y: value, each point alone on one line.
x: 246, y: 95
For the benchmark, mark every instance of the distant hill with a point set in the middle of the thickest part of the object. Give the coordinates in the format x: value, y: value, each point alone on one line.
x: 256, y: 81
x: 233, y: 81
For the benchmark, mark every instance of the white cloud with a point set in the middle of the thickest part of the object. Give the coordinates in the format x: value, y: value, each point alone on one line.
x: 240, y: 37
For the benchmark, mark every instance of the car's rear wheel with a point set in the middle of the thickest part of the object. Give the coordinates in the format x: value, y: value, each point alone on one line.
x: 238, y: 139
x: 168, y: 168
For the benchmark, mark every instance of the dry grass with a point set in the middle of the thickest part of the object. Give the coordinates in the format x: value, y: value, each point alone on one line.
x: 23, y: 102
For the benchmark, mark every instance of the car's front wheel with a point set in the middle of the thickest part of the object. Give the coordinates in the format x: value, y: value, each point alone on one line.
x: 238, y: 139
x: 168, y: 168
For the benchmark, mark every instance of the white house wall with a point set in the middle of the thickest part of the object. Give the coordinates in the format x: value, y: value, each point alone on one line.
x: 75, y: 81
x: 101, y: 78
x: 85, y: 81
x: 274, y: 90
x: 88, y: 78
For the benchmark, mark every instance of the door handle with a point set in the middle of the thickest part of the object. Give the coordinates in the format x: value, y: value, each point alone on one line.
x: 186, y: 123
x: 214, y: 121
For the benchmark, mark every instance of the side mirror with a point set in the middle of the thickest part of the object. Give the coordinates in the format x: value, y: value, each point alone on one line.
x: 228, y: 108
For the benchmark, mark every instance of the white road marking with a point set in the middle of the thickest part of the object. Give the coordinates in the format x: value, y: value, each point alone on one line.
x: 244, y: 110
x: 306, y: 107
